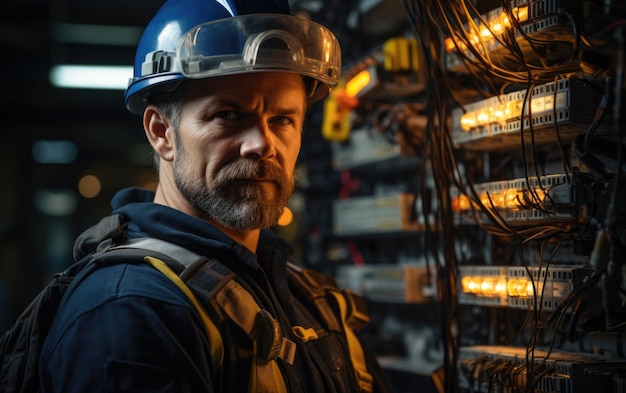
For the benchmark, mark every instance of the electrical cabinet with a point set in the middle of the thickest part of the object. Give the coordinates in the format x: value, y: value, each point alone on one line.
x: 479, y: 202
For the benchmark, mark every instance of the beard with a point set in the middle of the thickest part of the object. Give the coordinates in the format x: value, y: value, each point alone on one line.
x: 232, y: 198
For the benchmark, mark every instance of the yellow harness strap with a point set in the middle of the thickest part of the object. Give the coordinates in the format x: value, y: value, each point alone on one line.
x: 259, y: 325
x: 215, y: 339
x: 263, y: 329
x: 350, y: 318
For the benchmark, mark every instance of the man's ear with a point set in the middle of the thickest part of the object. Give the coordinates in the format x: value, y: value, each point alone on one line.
x: 159, y: 133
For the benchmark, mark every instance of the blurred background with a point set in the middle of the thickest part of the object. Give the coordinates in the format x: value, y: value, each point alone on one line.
x: 466, y: 177
x: 65, y: 150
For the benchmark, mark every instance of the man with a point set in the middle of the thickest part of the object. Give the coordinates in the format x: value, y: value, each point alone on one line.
x: 223, y: 88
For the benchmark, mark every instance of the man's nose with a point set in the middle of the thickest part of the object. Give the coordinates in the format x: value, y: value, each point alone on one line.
x: 258, y: 142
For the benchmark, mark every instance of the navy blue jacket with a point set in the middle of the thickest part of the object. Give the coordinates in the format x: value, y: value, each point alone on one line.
x: 128, y: 328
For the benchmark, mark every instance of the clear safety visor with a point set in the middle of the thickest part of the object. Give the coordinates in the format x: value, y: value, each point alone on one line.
x: 260, y: 42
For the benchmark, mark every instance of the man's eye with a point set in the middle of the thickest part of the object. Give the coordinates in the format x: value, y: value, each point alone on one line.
x: 283, y: 120
x: 227, y: 115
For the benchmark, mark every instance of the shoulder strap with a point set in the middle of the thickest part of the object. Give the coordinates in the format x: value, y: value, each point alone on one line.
x: 213, y: 335
x: 172, y: 260
x: 207, y: 281
x: 321, y: 290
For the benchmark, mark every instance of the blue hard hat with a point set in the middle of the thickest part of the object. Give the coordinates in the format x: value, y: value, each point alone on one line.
x: 192, y: 39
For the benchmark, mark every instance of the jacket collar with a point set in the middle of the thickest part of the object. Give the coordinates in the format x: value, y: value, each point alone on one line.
x: 150, y: 219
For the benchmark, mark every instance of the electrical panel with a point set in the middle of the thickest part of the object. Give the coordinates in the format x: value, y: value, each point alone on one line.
x: 495, y: 123
x: 480, y: 197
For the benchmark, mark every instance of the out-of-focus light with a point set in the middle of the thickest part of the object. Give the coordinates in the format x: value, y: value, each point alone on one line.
x: 482, y: 117
x: 520, y: 288
x: 89, y: 186
x: 498, y: 114
x: 449, y: 43
x: 485, y: 33
x: 357, y: 83
x: 468, y: 121
x: 54, y: 152
x: 91, y: 76
x: 500, y: 288
x: 521, y: 13
x: 484, y: 286
x: 56, y: 203
x: 487, y: 286
x: 286, y: 218
x: 471, y: 284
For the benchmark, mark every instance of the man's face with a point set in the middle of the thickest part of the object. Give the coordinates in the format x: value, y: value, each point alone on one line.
x: 237, y: 146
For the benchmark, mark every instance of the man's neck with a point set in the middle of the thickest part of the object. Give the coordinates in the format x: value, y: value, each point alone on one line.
x: 249, y: 238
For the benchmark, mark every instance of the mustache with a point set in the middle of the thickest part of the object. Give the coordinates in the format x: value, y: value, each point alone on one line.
x: 245, y: 169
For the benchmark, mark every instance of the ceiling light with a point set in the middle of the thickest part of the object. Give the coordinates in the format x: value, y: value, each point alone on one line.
x: 91, y: 76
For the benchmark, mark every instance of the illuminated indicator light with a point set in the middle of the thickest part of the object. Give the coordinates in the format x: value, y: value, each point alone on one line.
x: 449, y: 44
x: 511, y: 201
x: 500, y: 288
x: 484, y: 286
x: 520, y: 13
x: 358, y: 83
x: 482, y: 118
x: 485, y: 199
x: 541, y: 194
x: 465, y: 284
x: 487, y: 287
x: 471, y: 284
x: 474, y: 286
x: 499, y: 200
x: 499, y: 113
x: 493, y: 114
x: 513, y: 110
x: 529, y: 289
x: 505, y: 19
x: 468, y: 121
x: 460, y: 203
x: 456, y: 204
x: 464, y: 203
x: 485, y: 33
x: 521, y: 288
x: 510, y: 287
